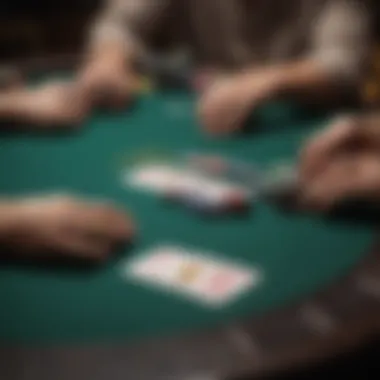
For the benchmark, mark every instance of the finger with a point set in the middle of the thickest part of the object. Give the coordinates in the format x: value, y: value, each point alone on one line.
x: 319, y: 151
x: 313, y: 157
x: 76, y: 245
x: 216, y: 120
x: 205, y: 116
x: 95, y: 88
x: 120, y: 98
x: 105, y: 221
x: 336, y: 183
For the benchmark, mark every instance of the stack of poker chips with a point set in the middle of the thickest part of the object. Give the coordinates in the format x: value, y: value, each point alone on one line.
x: 249, y: 184
x: 199, y: 201
x: 280, y: 187
x: 277, y: 185
x: 229, y: 169
x: 218, y: 198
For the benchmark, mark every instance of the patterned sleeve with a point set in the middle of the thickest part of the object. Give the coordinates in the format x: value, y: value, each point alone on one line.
x: 341, y: 39
x: 126, y: 22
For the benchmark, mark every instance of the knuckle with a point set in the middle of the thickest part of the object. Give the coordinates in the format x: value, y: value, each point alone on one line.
x: 67, y: 203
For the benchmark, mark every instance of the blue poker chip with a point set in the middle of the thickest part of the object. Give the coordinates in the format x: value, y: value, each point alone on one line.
x: 234, y: 203
x: 248, y: 175
x: 208, y: 164
x: 244, y: 173
x: 202, y: 204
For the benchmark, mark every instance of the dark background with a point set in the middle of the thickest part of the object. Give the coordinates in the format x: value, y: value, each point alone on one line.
x: 30, y: 28
x: 44, y: 27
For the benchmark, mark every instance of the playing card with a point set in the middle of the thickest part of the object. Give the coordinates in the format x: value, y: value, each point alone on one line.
x: 161, y: 179
x: 154, y: 177
x: 196, y: 275
x: 219, y: 191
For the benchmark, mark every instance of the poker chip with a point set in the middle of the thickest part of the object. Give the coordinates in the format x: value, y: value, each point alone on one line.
x: 237, y: 202
x: 213, y: 165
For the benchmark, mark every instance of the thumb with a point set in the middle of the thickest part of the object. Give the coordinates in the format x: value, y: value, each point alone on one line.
x: 335, y: 184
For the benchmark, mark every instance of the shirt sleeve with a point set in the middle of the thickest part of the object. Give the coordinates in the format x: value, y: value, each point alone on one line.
x: 341, y: 40
x: 126, y: 22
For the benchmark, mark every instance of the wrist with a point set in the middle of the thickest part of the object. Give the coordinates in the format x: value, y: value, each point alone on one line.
x: 277, y: 79
x: 271, y: 82
x: 110, y: 55
x: 373, y: 193
x: 11, y: 104
x: 104, y: 63
x: 10, y: 217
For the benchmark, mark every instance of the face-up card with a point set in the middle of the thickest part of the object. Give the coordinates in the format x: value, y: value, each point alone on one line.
x: 196, y: 275
x: 161, y: 178
x: 154, y: 177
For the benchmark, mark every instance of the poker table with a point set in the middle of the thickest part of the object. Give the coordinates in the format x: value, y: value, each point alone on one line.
x: 320, y: 287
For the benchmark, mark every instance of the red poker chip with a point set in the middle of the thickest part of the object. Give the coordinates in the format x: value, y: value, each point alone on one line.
x: 237, y: 201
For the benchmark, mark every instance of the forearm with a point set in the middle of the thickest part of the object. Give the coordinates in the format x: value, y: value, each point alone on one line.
x: 113, y: 54
x: 308, y: 78
x: 9, y: 218
x: 117, y: 37
x: 11, y: 105
x: 368, y: 126
x: 110, y: 43
x: 305, y: 80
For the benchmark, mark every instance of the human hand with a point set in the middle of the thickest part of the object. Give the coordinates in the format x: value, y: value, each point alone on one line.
x: 108, y: 85
x: 345, y: 136
x: 344, y: 177
x: 65, y: 227
x: 52, y: 104
x: 226, y: 105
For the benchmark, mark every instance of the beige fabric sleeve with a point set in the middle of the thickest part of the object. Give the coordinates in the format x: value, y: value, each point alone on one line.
x: 341, y: 39
x: 124, y: 21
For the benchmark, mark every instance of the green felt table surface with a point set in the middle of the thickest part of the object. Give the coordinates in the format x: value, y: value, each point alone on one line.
x: 298, y: 255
